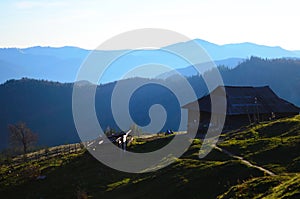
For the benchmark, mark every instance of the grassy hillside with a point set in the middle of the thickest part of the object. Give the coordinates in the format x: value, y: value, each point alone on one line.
x: 282, y: 186
x: 187, y: 177
x: 273, y: 145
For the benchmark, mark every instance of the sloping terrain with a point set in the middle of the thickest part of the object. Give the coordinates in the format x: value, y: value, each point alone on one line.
x: 275, y: 146
x: 186, y: 177
x: 283, y: 186
x: 272, y: 145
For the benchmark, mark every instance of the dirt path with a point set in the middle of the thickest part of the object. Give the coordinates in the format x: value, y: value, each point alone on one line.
x: 246, y: 162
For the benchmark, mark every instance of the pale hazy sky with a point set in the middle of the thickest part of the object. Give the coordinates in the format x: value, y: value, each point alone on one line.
x: 88, y: 23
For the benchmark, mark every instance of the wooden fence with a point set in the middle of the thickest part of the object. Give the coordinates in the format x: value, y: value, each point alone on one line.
x: 49, y: 153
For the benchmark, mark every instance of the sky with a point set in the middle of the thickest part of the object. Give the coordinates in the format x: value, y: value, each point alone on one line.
x: 87, y: 24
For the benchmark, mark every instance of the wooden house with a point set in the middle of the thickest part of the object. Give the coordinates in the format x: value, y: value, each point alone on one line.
x: 244, y: 105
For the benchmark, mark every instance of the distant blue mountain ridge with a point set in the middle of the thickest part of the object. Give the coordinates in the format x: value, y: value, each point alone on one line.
x: 62, y: 64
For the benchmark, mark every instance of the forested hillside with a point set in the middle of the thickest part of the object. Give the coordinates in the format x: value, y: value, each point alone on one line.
x: 46, y: 106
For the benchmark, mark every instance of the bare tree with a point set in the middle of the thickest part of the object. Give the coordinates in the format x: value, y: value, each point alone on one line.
x: 21, y: 135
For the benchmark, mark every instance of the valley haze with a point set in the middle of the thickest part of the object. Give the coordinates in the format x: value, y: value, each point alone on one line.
x: 62, y: 64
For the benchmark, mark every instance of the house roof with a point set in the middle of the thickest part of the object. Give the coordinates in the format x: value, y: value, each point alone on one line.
x: 244, y: 100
